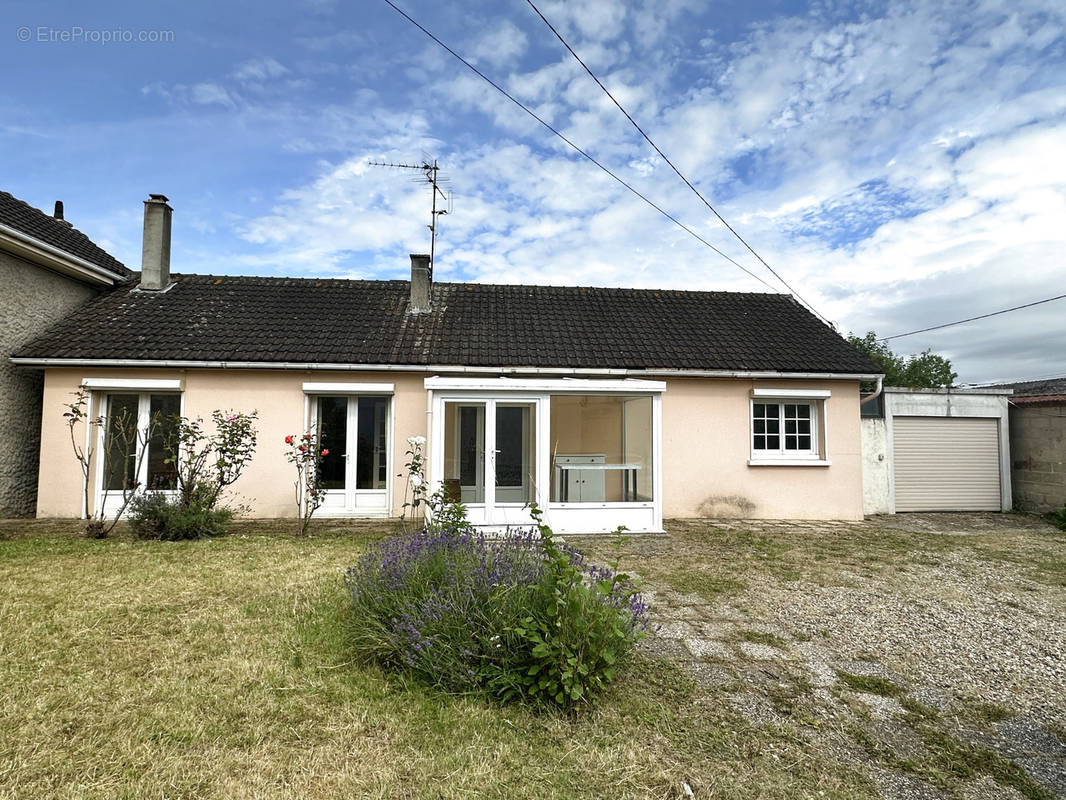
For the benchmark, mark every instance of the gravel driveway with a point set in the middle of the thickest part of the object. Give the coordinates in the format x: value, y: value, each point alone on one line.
x: 927, y: 649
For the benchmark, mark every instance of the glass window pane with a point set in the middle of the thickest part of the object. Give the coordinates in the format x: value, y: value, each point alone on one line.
x: 370, y: 464
x: 773, y: 425
x: 773, y: 410
x: 804, y: 412
x: 760, y: 410
x: 773, y: 443
x: 515, y: 453
x: 602, y: 449
x: 464, y: 452
x: 760, y: 442
x: 164, y: 414
x: 333, y: 436
x: 804, y: 443
x: 120, y: 442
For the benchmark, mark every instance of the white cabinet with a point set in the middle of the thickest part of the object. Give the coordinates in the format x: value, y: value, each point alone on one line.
x: 578, y: 485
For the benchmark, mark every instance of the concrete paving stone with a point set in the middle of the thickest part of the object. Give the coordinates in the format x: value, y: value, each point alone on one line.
x: 675, y: 629
x: 715, y: 629
x: 711, y: 674
x: 880, y: 707
x: 761, y: 652
x: 708, y: 648
x: 671, y: 649
x: 820, y: 674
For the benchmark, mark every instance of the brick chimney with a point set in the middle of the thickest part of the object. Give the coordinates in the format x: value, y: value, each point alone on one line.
x: 421, y: 283
x: 155, y: 249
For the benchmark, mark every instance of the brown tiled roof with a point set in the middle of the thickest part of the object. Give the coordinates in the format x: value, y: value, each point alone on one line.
x: 1047, y: 391
x: 249, y: 319
x: 33, y: 222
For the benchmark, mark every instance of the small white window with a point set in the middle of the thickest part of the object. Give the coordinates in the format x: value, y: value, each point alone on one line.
x: 787, y: 431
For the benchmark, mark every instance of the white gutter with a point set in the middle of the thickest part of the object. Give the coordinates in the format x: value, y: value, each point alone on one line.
x: 54, y: 257
x: 436, y: 368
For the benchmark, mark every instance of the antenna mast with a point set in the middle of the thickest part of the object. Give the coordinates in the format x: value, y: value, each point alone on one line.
x: 430, y: 176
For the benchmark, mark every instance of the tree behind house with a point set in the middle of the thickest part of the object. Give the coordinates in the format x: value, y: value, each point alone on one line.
x: 926, y: 370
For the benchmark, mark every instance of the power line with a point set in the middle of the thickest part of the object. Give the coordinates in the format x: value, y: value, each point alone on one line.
x: 518, y: 103
x: 664, y: 157
x: 971, y: 319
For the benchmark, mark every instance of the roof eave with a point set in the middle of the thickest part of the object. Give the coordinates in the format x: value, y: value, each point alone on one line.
x: 44, y: 362
x: 51, y: 257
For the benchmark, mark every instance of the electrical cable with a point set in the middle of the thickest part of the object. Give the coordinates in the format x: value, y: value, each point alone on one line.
x: 664, y: 157
x: 531, y: 113
x: 971, y: 319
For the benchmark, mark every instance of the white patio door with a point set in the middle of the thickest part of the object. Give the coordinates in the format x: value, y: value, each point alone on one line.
x: 355, y: 474
x: 490, y: 458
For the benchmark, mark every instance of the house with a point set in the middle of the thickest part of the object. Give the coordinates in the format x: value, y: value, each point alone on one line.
x: 48, y: 269
x: 605, y: 406
x: 1038, y: 444
x: 937, y: 450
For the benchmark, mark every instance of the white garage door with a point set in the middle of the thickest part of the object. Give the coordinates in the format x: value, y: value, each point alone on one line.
x: 946, y: 463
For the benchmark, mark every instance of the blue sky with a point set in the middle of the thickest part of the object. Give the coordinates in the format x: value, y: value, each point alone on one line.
x: 899, y: 164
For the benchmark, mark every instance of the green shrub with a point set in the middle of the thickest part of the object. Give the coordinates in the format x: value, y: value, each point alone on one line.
x: 518, y: 618
x: 1059, y: 518
x: 155, y: 516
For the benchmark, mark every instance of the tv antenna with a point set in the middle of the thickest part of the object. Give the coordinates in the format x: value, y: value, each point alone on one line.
x: 430, y: 176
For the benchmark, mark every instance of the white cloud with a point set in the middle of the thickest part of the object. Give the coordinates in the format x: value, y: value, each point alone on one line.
x: 259, y: 69
x: 502, y: 43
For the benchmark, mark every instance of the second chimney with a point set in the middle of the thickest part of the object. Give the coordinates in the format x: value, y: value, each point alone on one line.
x: 421, y: 283
x: 155, y: 248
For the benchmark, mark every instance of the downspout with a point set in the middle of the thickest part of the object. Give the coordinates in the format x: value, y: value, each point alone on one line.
x: 880, y: 387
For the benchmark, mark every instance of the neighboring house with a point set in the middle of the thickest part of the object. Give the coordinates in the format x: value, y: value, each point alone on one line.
x: 48, y: 269
x: 605, y: 406
x: 1038, y: 444
x: 937, y: 450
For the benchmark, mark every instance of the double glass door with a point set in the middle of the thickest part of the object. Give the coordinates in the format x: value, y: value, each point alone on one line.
x: 355, y: 471
x: 490, y: 462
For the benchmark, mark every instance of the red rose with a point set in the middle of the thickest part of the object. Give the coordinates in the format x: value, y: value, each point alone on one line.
x: 325, y: 452
x: 288, y: 440
x: 302, y: 448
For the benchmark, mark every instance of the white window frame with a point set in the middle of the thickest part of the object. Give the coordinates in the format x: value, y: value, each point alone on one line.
x: 102, y: 392
x: 563, y: 517
x: 352, y: 508
x: 818, y: 454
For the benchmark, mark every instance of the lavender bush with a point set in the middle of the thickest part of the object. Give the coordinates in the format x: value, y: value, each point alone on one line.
x: 518, y: 617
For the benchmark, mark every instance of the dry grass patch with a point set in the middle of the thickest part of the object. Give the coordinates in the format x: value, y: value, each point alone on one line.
x: 218, y: 668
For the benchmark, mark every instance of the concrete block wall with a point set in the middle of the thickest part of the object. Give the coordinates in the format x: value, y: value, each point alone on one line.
x: 1038, y: 457
x: 32, y: 299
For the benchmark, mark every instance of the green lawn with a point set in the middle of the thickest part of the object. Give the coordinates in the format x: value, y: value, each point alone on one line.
x: 218, y: 669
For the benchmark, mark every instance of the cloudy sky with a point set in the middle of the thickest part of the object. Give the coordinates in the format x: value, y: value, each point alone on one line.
x: 899, y: 164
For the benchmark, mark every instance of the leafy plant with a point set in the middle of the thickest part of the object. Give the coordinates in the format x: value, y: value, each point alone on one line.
x: 204, y: 465
x: 583, y: 621
x: 208, y: 463
x: 156, y: 516
x: 415, y: 474
x: 519, y: 617
x: 305, y: 453
x: 1059, y: 518
x: 121, y: 437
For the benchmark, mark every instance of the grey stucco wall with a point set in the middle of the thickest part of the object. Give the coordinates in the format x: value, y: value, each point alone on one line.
x: 1038, y: 456
x: 31, y: 299
x: 876, y: 466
